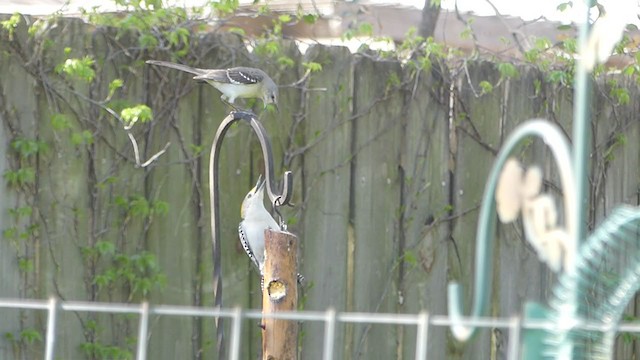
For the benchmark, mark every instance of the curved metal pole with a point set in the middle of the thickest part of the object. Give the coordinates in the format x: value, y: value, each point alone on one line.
x: 556, y: 141
x: 278, y: 199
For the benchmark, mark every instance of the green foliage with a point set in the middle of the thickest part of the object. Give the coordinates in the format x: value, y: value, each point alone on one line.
x: 140, y: 4
x: 363, y: 29
x: 507, y: 70
x: 618, y: 93
x: 26, y: 336
x: 139, y: 206
x: 84, y: 137
x: 418, y: 52
x: 28, y: 147
x: 410, y: 258
x: 60, y: 122
x: 20, y: 177
x: 312, y: 66
x: 309, y: 18
x: 179, y: 39
x: 565, y: 6
x: 486, y: 87
x: 139, y: 113
x: 225, y: 7
x: 114, y: 85
x: 11, y: 24
x: 570, y: 45
x: 559, y: 77
x: 139, y: 273
x: 25, y: 265
x: 81, y: 69
x: 21, y: 211
x: 619, y: 141
x: 286, y: 62
x: 97, y: 350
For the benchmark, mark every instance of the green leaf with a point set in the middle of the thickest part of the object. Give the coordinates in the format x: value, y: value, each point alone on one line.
x: 139, y: 113
x: 558, y: 76
x: 365, y: 29
x: 139, y: 206
x: 148, y: 41
x: 486, y: 87
x: 11, y: 24
x: 310, y: 18
x: 312, y: 66
x: 78, y: 68
x: 27, y: 147
x: 160, y: 207
x: 225, y: 7
x: 286, y: 61
x: 84, y: 137
x: 507, y: 70
x: 410, y: 258
x: 237, y: 30
x: 285, y: 18
x: 115, y: 85
x: 60, y: 122
x: 565, y: 5
x: 20, y: 177
x: 25, y: 265
x: 105, y: 247
x: 30, y: 336
x: 570, y: 45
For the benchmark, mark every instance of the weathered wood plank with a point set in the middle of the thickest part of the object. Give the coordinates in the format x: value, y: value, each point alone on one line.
x: 425, y: 196
x: 325, y: 180
x: 376, y: 188
x: 477, y: 135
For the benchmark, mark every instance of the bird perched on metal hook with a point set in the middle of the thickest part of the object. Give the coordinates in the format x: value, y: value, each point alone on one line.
x: 255, y: 220
x: 233, y: 83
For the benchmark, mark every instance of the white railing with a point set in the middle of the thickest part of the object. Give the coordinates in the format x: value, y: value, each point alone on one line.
x: 423, y: 321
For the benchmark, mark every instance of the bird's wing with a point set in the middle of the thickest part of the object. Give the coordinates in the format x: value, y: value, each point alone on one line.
x: 180, y: 67
x: 235, y: 76
x: 247, y: 248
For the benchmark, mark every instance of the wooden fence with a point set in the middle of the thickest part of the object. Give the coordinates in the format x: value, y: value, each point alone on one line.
x: 389, y: 168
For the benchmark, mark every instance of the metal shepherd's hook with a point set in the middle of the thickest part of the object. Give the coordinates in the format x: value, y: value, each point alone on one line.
x: 275, y: 197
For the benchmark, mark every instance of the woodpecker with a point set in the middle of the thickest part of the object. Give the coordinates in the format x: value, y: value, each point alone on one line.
x: 233, y: 83
x: 255, y: 220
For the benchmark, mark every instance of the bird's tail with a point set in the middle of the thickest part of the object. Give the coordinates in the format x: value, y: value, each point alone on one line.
x: 176, y: 66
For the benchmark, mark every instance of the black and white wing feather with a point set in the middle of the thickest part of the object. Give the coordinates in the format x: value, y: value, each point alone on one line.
x: 247, y: 248
x: 234, y: 76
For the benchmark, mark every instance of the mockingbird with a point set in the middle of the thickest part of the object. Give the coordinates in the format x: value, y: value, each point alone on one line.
x: 233, y: 83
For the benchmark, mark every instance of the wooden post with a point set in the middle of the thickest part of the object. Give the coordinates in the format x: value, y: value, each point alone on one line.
x: 280, y: 337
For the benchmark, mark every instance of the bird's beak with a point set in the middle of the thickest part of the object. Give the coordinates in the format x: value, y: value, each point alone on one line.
x: 260, y: 183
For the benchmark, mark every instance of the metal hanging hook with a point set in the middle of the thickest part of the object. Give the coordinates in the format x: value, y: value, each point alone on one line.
x: 276, y: 198
x: 557, y: 143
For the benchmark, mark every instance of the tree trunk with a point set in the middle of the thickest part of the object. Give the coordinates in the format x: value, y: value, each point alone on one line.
x: 430, y: 13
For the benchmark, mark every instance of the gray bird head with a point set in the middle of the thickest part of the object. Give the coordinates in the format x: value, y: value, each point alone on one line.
x: 270, y: 95
x: 253, y: 198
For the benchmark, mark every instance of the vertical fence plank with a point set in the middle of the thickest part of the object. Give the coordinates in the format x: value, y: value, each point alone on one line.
x: 376, y: 190
x: 326, y: 184
x: 477, y: 134
x: 425, y: 198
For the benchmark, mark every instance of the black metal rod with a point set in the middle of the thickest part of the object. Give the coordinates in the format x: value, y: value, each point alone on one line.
x: 276, y: 198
